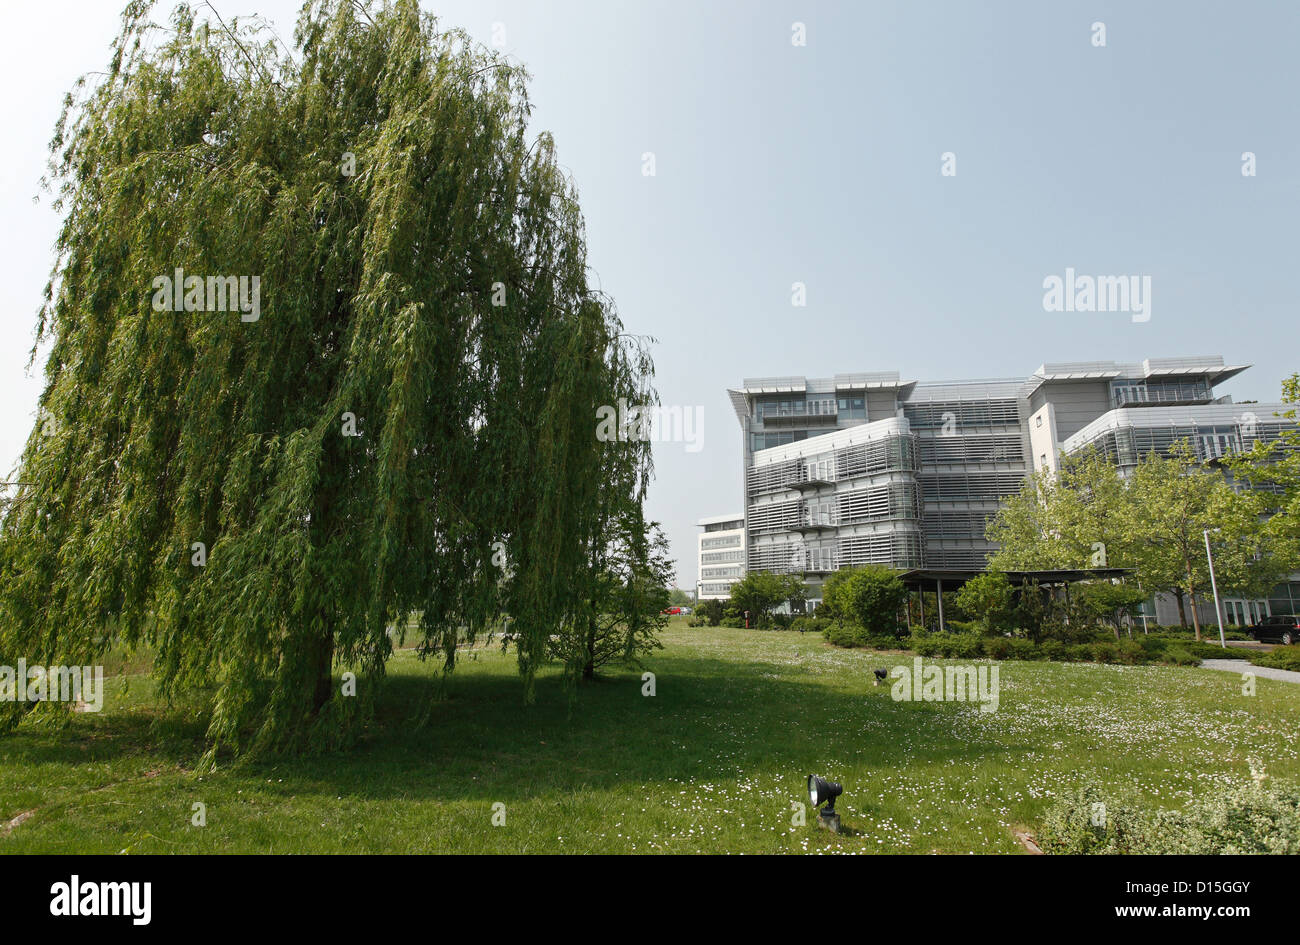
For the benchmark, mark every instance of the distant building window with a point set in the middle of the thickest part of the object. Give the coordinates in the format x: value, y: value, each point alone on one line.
x: 713, y: 557
x: 732, y: 541
x: 725, y: 526
x: 1042, y: 461
x: 1038, y: 421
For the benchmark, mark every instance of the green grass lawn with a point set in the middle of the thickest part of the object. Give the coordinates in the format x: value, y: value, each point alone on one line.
x: 709, y: 764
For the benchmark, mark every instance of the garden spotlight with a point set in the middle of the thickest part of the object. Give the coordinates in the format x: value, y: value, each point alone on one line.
x: 821, y: 791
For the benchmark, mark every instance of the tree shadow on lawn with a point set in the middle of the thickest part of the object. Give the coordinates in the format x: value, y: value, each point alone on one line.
x: 711, y: 720
x: 166, y: 734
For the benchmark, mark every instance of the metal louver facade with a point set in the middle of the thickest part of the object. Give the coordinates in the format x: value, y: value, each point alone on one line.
x: 868, y: 468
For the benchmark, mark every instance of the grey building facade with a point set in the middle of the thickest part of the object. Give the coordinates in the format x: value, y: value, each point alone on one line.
x: 870, y: 468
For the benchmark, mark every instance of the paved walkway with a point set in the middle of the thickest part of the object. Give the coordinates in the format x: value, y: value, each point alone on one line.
x: 1245, y: 666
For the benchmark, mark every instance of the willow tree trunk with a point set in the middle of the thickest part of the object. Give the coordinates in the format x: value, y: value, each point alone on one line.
x: 589, y: 666
x: 322, y: 661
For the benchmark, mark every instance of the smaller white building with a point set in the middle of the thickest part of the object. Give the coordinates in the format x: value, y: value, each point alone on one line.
x: 721, y: 556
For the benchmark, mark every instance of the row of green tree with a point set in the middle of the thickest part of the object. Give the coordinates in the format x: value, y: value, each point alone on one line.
x: 870, y: 596
x: 873, y: 603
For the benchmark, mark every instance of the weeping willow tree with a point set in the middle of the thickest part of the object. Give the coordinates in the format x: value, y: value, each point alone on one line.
x: 321, y: 352
x: 623, y: 590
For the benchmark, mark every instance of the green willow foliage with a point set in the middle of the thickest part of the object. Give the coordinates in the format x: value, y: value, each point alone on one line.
x: 211, y: 147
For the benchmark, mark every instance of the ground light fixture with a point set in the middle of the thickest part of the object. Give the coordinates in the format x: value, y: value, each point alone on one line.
x: 821, y: 791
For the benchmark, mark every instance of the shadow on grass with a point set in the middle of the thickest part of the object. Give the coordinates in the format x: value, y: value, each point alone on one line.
x: 171, y: 734
x: 710, y: 721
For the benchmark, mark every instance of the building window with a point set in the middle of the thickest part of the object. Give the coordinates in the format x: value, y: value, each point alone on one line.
x: 732, y: 541
x: 1038, y: 421
x: 855, y: 408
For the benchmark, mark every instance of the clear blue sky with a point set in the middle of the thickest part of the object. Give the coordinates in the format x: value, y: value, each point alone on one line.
x: 820, y: 164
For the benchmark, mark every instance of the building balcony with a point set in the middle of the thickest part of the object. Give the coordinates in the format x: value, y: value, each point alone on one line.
x: 1161, y: 397
x: 809, y: 482
x: 813, y: 561
x: 814, y: 528
x: 818, y: 570
x: 811, y: 523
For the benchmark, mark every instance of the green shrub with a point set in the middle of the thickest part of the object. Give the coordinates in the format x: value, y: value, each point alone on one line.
x: 1076, y: 632
x: 924, y: 644
x: 1248, y: 819
x: 852, y: 635
x: 973, y: 644
x: 1178, y: 655
x: 998, y: 648
x: 1012, y: 648
x: 1126, y: 652
x: 1079, y: 653
x: 869, y: 596
x: 1212, y: 651
x: 1053, y: 650
x: 1283, y: 657
x: 1022, y: 649
x: 710, y: 610
x: 884, y: 641
x: 843, y: 634
x: 990, y: 598
x: 1208, y: 632
x: 1087, y: 821
x: 1130, y: 652
x: 1157, y: 646
x: 734, y: 622
x: 1154, y: 645
x: 962, y: 646
x: 1104, y: 652
x: 810, y: 624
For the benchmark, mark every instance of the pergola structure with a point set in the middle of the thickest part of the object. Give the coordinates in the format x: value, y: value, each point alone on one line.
x: 929, y: 579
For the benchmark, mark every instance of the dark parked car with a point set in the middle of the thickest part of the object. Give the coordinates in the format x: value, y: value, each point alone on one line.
x: 1277, y: 629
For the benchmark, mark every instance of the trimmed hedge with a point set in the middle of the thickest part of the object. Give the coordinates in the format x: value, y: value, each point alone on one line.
x: 974, y: 646
x: 1283, y: 657
x: 1098, y: 647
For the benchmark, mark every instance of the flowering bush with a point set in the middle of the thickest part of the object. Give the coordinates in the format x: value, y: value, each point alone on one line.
x: 1250, y: 818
